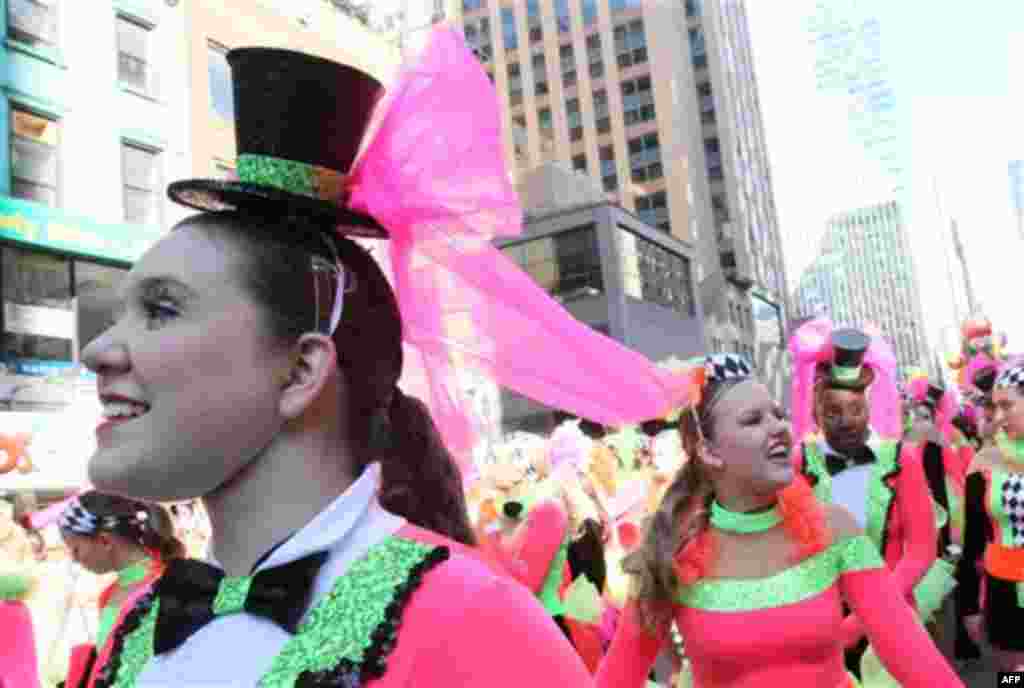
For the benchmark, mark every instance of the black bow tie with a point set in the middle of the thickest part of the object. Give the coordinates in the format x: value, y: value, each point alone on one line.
x: 192, y: 592
x: 836, y: 463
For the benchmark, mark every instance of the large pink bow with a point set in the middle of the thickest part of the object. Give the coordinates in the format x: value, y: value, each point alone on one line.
x: 811, y: 345
x: 434, y: 175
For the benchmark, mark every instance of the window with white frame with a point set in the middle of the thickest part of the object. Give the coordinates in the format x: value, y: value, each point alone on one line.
x: 134, y: 66
x: 222, y: 94
x: 35, y: 157
x: 33, y: 22
x: 140, y: 170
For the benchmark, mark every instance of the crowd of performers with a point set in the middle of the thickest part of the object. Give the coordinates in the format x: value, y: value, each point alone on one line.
x: 694, y: 531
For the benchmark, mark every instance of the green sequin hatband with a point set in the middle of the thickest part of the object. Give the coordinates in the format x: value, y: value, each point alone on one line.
x: 845, y: 375
x: 294, y: 177
x: 744, y: 523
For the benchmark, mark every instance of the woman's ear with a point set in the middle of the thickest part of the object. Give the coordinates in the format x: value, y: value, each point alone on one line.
x: 706, y: 455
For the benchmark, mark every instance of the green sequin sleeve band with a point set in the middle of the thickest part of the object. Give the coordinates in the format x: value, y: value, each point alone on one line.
x: 294, y: 177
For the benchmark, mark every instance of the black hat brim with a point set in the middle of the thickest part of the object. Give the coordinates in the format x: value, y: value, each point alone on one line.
x: 217, y: 195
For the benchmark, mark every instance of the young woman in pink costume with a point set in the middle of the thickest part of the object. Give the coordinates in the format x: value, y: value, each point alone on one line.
x: 257, y: 362
x: 991, y: 591
x: 18, y: 660
x: 109, y: 534
x: 752, y: 569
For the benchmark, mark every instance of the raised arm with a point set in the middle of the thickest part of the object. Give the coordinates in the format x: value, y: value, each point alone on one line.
x: 542, y: 536
x: 632, y: 654
x: 919, y: 545
x: 899, y: 639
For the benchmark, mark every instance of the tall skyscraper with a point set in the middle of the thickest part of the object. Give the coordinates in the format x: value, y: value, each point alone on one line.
x: 673, y: 134
x: 1017, y: 193
x: 865, y: 275
x: 851, y: 64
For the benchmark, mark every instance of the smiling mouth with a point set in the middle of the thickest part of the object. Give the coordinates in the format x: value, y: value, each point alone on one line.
x: 779, y: 452
x: 119, y: 410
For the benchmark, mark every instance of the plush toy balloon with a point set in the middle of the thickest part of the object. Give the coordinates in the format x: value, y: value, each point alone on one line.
x: 12, y: 452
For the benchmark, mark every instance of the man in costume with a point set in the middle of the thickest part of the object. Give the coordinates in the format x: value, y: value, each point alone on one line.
x: 844, y: 383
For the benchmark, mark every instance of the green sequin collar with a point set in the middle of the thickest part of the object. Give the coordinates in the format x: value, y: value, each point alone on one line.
x: 812, y: 576
x: 744, y: 523
x: 135, y: 573
x: 1013, y: 449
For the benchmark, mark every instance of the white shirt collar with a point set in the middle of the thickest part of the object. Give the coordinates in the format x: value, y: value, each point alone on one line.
x: 329, y: 527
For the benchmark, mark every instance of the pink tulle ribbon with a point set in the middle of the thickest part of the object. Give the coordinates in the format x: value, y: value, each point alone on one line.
x: 811, y: 345
x: 433, y: 174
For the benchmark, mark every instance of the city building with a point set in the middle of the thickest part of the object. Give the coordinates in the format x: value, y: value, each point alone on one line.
x: 607, y: 267
x: 865, y: 276
x: 672, y: 135
x: 93, y: 129
x: 1016, y: 169
x: 853, y: 65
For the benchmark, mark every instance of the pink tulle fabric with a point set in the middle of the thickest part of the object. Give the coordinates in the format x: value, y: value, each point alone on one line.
x: 44, y: 517
x: 944, y: 414
x: 811, y: 345
x: 433, y: 173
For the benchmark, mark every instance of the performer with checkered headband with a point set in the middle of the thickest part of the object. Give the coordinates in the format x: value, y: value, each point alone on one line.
x: 750, y: 567
x: 991, y: 571
x: 110, y: 534
x: 849, y: 421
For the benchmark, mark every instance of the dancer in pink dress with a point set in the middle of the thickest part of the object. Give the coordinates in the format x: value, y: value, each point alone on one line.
x: 752, y: 569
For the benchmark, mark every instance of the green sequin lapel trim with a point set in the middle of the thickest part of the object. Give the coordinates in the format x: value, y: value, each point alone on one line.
x: 549, y: 595
x: 880, y: 494
x: 347, y: 637
x: 137, y: 650
x: 807, y: 579
x: 814, y: 467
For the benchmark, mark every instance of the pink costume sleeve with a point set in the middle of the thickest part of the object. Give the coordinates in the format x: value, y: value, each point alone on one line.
x: 540, y: 540
x: 504, y: 640
x: 920, y: 534
x: 899, y: 639
x: 632, y: 653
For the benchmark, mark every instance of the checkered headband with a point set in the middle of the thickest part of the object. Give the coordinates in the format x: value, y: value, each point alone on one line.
x: 1011, y: 377
x: 722, y: 367
x: 78, y: 520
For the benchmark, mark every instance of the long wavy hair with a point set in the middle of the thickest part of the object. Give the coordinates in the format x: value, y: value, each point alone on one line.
x: 678, y: 547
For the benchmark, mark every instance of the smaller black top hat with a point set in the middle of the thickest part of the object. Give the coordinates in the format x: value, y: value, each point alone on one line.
x: 513, y: 510
x: 985, y: 380
x: 934, y: 396
x: 848, y: 349
x: 299, y: 123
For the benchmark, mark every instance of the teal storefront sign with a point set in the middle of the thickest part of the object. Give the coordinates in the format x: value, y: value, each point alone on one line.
x: 36, y: 224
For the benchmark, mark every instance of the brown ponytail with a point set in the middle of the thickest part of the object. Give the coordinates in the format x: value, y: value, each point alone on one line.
x: 159, y: 534
x: 680, y: 520
x: 421, y: 480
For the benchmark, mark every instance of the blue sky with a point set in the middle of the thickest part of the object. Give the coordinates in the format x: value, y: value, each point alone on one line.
x: 957, y: 74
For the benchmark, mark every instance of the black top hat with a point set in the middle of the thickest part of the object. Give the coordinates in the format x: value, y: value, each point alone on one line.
x: 513, y: 510
x: 848, y: 349
x: 985, y: 380
x: 934, y: 395
x: 299, y: 123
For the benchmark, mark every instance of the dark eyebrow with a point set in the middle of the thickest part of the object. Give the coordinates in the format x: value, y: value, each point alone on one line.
x: 154, y: 283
